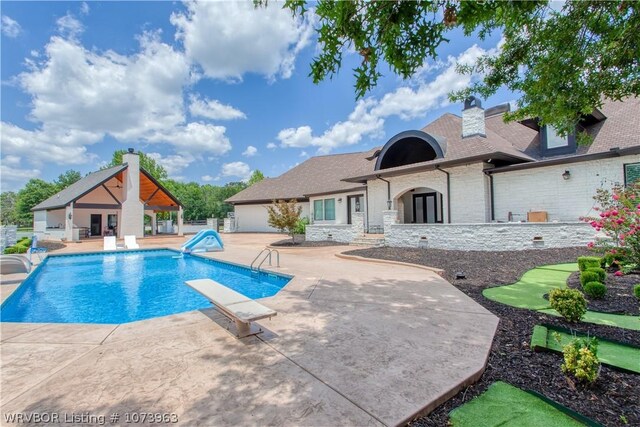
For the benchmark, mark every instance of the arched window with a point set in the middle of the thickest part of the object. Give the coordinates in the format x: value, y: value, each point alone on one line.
x: 410, y: 147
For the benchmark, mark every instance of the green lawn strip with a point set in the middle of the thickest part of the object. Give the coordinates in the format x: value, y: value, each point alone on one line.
x: 607, y: 319
x: 505, y: 405
x: 610, y: 353
x: 529, y: 293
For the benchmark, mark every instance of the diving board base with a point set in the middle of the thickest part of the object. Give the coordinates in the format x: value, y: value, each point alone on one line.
x: 244, y: 330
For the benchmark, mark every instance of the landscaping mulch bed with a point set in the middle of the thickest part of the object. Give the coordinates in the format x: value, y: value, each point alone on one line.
x: 302, y: 243
x: 619, y: 298
x: 612, y: 397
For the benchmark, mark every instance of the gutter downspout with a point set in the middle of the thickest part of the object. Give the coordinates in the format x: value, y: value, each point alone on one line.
x: 492, y: 205
x: 448, y: 193
x: 388, y: 191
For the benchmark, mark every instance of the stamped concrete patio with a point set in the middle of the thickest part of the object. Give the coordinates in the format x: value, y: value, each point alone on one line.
x: 354, y: 343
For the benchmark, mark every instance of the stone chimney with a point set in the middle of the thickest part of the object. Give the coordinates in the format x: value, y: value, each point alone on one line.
x: 473, y: 118
x: 131, y: 220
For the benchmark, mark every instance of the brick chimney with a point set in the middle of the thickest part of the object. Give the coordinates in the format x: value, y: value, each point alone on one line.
x: 473, y: 118
x: 131, y: 220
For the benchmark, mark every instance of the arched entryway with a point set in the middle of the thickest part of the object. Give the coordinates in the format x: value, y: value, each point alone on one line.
x: 421, y: 205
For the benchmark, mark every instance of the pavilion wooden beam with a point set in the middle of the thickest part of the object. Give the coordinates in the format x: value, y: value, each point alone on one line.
x: 161, y: 208
x: 95, y: 206
x: 111, y: 194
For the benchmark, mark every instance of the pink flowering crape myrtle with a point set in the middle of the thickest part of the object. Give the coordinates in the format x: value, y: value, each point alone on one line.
x: 619, y: 219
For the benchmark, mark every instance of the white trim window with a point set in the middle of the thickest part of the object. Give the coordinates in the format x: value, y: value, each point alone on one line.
x: 324, y: 210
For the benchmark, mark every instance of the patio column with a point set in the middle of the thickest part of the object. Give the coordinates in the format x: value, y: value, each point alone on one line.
x: 154, y: 224
x: 389, y: 218
x: 180, y: 220
x: 357, y: 223
x: 68, y: 222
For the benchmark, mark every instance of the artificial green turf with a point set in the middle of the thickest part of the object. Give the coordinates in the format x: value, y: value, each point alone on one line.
x: 505, y: 405
x: 529, y: 293
x: 610, y: 353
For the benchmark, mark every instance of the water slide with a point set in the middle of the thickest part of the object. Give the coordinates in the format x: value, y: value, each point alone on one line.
x: 204, y: 240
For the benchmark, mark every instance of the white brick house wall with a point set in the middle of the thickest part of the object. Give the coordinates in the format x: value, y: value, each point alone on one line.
x: 469, y: 193
x: 544, y: 189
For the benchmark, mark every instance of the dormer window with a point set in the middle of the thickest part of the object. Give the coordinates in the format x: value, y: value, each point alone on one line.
x: 551, y: 143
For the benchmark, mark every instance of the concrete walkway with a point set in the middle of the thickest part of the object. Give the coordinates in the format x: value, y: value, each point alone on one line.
x: 354, y: 343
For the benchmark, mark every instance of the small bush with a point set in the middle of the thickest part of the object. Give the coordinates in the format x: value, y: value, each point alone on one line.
x: 301, y: 225
x: 595, y: 290
x: 602, y: 274
x: 16, y: 249
x: 23, y: 239
x: 589, y: 276
x: 581, y: 359
x: 586, y: 262
x: 612, y: 260
x: 570, y: 303
x: 636, y: 290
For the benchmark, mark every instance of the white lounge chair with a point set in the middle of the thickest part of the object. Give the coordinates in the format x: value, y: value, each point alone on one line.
x: 11, y: 264
x: 110, y: 243
x: 235, y: 306
x: 130, y: 242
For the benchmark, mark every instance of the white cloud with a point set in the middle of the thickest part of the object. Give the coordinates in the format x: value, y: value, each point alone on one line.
x: 304, y: 154
x: 79, y: 96
x: 13, y: 175
x: 212, y: 109
x: 250, y: 151
x: 229, y: 39
x: 407, y: 102
x: 84, y: 8
x: 236, y: 169
x: 271, y: 146
x: 10, y: 27
x: 69, y: 26
x: 207, y: 178
x: 173, y: 164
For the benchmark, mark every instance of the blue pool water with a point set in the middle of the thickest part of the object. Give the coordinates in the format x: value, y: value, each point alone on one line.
x: 125, y: 286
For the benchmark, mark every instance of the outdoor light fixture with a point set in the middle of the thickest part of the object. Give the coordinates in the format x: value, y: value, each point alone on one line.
x: 70, y: 215
x: 566, y: 175
x: 340, y: 200
x: 389, y: 202
x: 357, y: 205
x: 460, y: 275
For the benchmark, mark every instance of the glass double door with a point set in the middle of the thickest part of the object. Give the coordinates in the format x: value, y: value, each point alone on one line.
x: 427, y: 208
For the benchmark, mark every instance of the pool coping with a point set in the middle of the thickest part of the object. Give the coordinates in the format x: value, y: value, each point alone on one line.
x: 40, y: 265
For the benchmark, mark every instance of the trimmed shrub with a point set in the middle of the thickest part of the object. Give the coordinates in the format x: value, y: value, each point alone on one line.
x: 16, y: 249
x: 301, y: 225
x: 581, y: 359
x: 636, y: 290
x: 595, y: 290
x: 602, y: 274
x: 570, y: 303
x: 586, y: 262
x: 589, y: 276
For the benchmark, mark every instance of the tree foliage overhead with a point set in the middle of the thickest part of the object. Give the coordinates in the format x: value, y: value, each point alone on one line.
x: 563, y: 62
x: 66, y: 179
x: 147, y: 163
x: 35, y: 191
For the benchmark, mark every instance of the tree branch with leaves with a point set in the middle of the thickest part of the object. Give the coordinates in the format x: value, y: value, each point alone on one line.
x: 284, y: 216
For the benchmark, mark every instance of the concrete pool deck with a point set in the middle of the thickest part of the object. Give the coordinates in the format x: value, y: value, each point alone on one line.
x: 354, y: 343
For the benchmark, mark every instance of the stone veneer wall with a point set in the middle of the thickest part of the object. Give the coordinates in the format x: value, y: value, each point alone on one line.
x: 8, y: 236
x: 337, y: 232
x: 486, y: 237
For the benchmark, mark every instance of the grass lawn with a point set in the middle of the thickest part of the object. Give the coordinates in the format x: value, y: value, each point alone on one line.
x: 505, y: 405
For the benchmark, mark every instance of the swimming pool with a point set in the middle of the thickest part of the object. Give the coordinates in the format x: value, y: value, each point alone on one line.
x: 120, y: 287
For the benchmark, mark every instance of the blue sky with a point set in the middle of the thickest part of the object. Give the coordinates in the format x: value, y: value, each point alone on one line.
x: 213, y: 91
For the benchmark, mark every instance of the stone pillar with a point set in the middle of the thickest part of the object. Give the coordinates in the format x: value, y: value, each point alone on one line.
x: 229, y: 225
x: 68, y: 222
x: 180, y: 221
x: 357, y: 223
x: 132, y: 221
x: 212, y: 224
x: 154, y: 224
x: 389, y: 218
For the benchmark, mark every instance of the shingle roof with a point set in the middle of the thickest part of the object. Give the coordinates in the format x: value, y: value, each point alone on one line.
x: 513, y: 140
x: 317, y: 175
x: 79, y: 188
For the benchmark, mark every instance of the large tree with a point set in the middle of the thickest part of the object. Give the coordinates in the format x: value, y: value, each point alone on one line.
x: 66, y: 179
x: 34, y: 192
x: 147, y: 163
x: 562, y: 62
x: 8, y: 208
x: 256, y: 176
